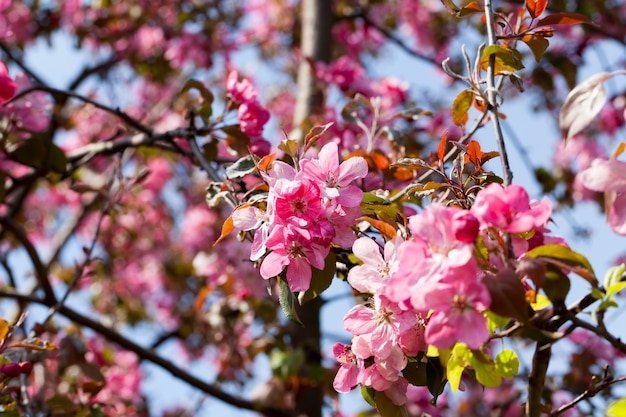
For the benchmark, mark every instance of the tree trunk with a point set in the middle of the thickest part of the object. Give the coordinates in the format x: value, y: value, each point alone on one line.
x: 316, y: 46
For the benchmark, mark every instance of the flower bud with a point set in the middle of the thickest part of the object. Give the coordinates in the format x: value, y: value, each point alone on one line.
x: 26, y: 367
x: 10, y: 370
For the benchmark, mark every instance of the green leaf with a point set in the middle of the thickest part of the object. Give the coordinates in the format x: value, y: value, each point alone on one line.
x: 507, y: 363
x: 507, y: 60
x: 287, y: 301
x: 454, y: 369
x: 486, y: 373
x: 450, y: 7
x: 615, y: 288
x: 541, y: 302
x: 368, y: 395
x: 386, y: 407
x: 495, y: 321
x: 461, y: 105
x: 411, y: 163
x: 241, y: 168
x: 320, y: 280
x: 565, y: 258
x: 614, y: 275
x: 617, y: 408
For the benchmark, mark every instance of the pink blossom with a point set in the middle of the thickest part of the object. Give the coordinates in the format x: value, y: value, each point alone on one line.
x: 609, y: 176
x: 334, y: 178
x: 510, y: 209
x: 347, y: 375
x: 252, y: 118
x: 457, y: 316
x: 240, y: 91
x: 371, y: 275
x: 295, y: 252
x: 298, y: 202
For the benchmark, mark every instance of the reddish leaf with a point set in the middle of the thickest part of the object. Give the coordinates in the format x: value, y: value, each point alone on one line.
x: 508, y: 295
x: 441, y: 149
x: 536, y: 7
x: 563, y: 19
x: 383, y: 227
x: 314, y: 134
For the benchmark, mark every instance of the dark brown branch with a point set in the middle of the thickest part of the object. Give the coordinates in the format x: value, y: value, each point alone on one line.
x: 40, y: 269
x: 21, y: 64
x: 537, y: 378
x: 89, y: 71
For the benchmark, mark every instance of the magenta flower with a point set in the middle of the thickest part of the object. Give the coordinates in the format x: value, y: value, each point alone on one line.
x: 510, y: 209
x: 298, y: 202
x: 335, y: 179
x: 7, y: 85
x: 609, y: 176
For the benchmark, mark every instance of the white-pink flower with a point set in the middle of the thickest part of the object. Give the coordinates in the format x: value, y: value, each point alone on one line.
x: 609, y: 176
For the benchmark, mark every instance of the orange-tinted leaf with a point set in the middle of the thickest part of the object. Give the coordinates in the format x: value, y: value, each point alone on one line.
x: 474, y: 153
x: 536, y: 7
x: 387, y: 230
x: 471, y: 8
x: 537, y: 44
x: 198, y: 305
x: 227, y: 227
x: 380, y: 160
x: 402, y: 174
x: 441, y: 149
x: 266, y: 162
x: 564, y: 19
x: 480, y: 105
x: 620, y: 149
x: 461, y: 106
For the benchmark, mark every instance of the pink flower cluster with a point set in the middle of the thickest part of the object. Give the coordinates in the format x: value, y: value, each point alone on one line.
x: 252, y: 115
x: 428, y: 289
x: 306, y: 211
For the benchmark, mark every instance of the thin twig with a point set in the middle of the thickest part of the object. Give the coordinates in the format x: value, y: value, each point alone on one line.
x: 589, y: 393
x: 492, y: 92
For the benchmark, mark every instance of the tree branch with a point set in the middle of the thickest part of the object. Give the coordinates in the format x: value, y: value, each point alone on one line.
x: 41, y: 271
x: 149, y: 355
